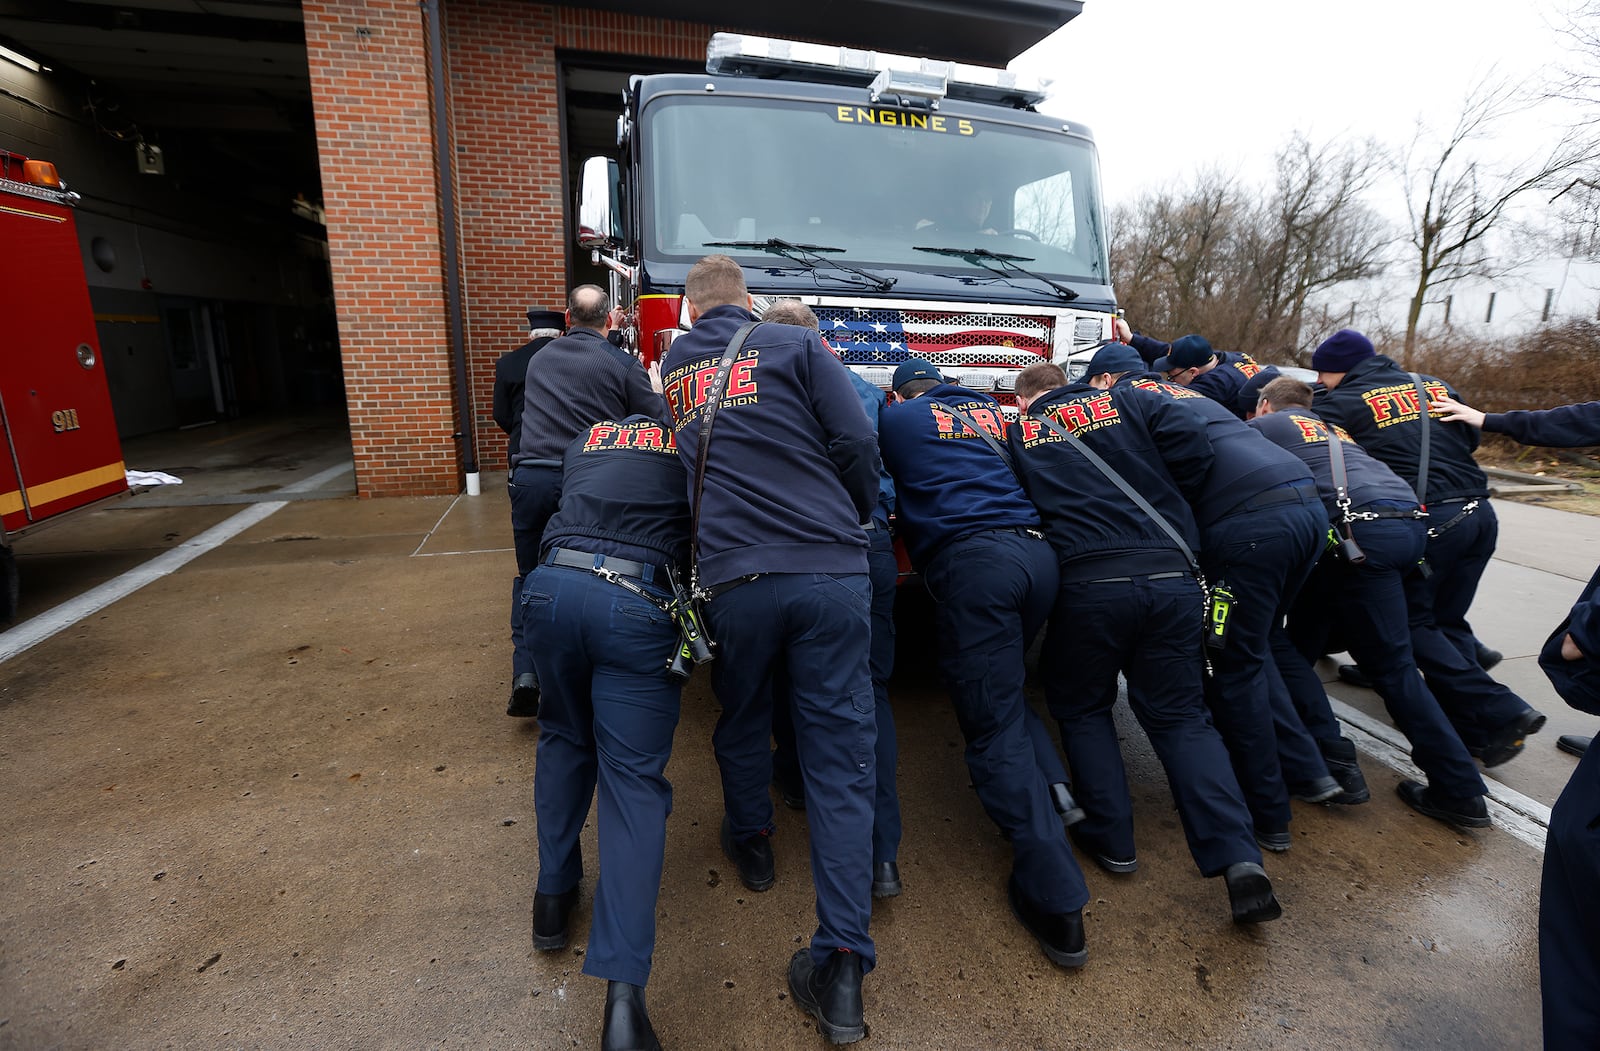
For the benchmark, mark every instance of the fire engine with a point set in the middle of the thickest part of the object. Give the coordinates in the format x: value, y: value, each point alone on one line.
x: 62, y: 451
x: 920, y: 208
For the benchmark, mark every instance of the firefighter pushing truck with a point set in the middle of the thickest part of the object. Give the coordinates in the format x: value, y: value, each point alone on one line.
x: 62, y: 452
x: 920, y: 208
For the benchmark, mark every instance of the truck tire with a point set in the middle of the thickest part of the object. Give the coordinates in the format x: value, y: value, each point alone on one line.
x: 10, y: 585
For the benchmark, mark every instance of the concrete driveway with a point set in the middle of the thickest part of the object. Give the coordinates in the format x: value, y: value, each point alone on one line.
x: 271, y: 800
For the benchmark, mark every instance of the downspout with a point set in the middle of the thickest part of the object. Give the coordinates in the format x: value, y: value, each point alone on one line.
x: 447, y: 220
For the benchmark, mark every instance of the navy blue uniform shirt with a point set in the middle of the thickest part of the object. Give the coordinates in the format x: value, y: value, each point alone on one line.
x: 949, y: 481
x: 1377, y: 403
x: 1302, y: 433
x: 573, y: 381
x: 1156, y: 445
x: 874, y: 401
x: 1245, y: 465
x: 1222, y: 382
x: 510, y: 376
x: 792, y: 466
x: 623, y: 493
x: 1563, y: 427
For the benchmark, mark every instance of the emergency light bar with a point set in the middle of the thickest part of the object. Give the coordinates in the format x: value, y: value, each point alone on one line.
x: 887, y: 75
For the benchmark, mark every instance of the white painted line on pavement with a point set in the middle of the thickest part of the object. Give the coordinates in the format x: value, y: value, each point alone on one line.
x: 1525, y: 818
x: 32, y: 632
x: 429, y: 535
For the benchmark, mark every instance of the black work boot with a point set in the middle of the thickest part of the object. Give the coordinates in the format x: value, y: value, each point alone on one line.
x: 831, y: 994
x: 1462, y: 812
x: 627, y: 1025
x: 1340, y: 756
x: 1352, y: 674
x: 1250, y: 893
x: 524, y: 703
x: 1506, y: 743
x: 752, y: 856
x: 550, y: 915
x: 886, y: 880
x: 1060, y: 934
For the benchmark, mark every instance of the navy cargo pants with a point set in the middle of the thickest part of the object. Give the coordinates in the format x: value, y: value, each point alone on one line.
x: 535, y: 491
x: 1373, y: 604
x: 609, y: 712
x: 1148, y: 628
x: 884, y: 570
x: 818, y: 625
x: 1569, y: 922
x: 1441, y: 639
x: 993, y: 591
x: 1263, y: 554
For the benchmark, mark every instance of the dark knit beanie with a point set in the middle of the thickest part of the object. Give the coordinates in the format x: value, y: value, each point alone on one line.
x: 1342, y: 351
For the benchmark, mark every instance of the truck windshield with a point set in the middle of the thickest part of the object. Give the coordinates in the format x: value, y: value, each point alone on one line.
x: 880, y: 185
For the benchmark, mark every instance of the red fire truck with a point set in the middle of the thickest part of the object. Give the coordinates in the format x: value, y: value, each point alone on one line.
x: 921, y: 208
x: 62, y: 451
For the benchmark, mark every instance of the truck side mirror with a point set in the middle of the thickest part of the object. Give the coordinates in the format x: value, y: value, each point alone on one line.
x: 598, y: 204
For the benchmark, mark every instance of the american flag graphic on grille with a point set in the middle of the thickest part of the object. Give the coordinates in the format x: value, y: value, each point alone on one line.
x: 886, y: 337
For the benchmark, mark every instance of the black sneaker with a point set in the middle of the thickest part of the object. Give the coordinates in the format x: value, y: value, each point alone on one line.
x: 1059, y: 934
x: 550, y: 915
x: 831, y: 994
x: 1506, y: 743
x: 1467, y: 812
x: 752, y: 856
x: 1250, y: 893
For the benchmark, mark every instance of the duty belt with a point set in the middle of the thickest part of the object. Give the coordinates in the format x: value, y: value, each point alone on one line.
x: 1438, y: 531
x: 1036, y: 534
x: 1297, y: 490
x: 572, y: 559
x: 1172, y: 575
x: 1373, y: 516
x: 707, y: 594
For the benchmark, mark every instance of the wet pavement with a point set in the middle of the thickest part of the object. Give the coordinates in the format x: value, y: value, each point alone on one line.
x: 271, y: 800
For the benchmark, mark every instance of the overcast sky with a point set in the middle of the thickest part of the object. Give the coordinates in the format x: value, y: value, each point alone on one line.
x: 1170, y: 86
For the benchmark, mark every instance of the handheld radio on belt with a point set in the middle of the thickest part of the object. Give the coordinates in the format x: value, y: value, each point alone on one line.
x: 695, y: 645
x: 1218, y: 605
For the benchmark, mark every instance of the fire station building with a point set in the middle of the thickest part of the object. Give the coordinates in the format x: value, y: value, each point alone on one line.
x: 274, y: 192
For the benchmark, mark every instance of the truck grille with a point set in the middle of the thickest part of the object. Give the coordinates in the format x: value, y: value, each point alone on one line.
x: 883, y: 336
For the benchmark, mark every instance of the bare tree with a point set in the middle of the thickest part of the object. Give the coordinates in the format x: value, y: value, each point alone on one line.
x: 1238, y: 263
x: 1454, y: 200
x: 1577, y: 78
x: 1314, y: 231
x: 1174, y: 254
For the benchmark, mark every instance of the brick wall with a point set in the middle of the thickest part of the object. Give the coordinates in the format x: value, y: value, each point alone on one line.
x: 369, y: 82
x: 503, y: 96
x: 374, y: 132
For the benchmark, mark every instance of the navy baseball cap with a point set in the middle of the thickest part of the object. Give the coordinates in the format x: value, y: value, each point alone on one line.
x: 546, y: 318
x: 1115, y: 357
x: 915, y: 369
x: 1249, y: 395
x: 1186, y: 352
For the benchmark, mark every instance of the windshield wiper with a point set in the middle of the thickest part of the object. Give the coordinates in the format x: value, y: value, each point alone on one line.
x: 1006, y: 262
x: 809, y: 255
